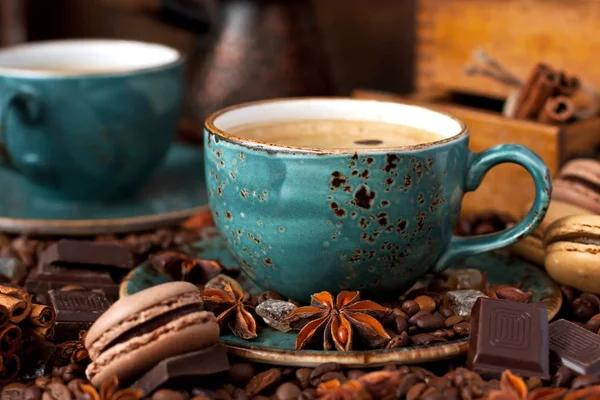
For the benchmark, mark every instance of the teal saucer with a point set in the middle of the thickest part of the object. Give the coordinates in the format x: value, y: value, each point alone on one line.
x: 274, y: 347
x: 175, y: 192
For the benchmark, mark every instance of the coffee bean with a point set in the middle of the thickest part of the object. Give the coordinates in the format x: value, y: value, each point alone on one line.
x: 239, y: 394
x: 14, y: 391
x: 432, y: 394
x: 450, y: 334
x: 287, y: 391
x: 422, y: 373
x: 462, y: 328
x: 398, y: 341
x: 355, y: 373
x: 308, y: 394
x: 584, y: 381
x: 167, y: 394
x: 593, y: 324
x: 440, y: 333
x: 410, y: 307
x: 401, y: 324
x: 390, y: 368
x: 583, y: 309
x: 562, y: 377
x: 413, y: 330
x: 263, y: 381
x: 334, y: 375
x: 413, y: 320
x: 303, y: 376
x: 446, y: 312
x: 415, y: 392
x: 430, y: 321
x: 453, y: 320
x: 591, y: 298
x: 439, y: 383
x: 56, y: 391
x: 75, y: 387
x: 426, y: 303
x: 317, y: 373
x: 569, y: 293
x: 33, y: 393
x: 451, y: 393
x: 288, y: 372
x: 241, y: 373
x: 42, y: 382
x: 72, y: 371
x: 424, y: 339
x: 406, y: 382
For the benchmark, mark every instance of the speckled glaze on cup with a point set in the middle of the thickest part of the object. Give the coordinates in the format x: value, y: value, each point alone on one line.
x: 303, y: 220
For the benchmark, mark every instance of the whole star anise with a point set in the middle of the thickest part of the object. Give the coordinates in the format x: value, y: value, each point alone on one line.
x: 337, y: 321
x: 108, y: 391
x: 182, y: 267
x: 232, y: 308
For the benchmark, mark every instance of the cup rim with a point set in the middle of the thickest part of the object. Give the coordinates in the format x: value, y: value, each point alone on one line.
x: 281, y: 148
x: 16, y: 72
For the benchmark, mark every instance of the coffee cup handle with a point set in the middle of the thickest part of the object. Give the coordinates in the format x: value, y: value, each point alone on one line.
x: 25, y: 99
x: 481, y: 163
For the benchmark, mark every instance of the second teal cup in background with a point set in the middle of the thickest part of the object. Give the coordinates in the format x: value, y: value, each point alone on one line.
x: 88, y: 119
x: 303, y: 220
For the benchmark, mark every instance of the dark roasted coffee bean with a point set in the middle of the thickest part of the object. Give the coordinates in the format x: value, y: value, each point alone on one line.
x: 355, y: 373
x: 406, y: 382
x: 14, y: 391
x: 317, y: 373
x: 440, y: 333
x: 423, y: 339
x: 453, y: 320
x: 422, y: 373
x: 462, y: 328
x: 593, y: 325
x: 591, y: 298
x: 75, y: 387
x: 287, y: 391
x: 288, y: 372
x: 334, y: 375
x: 584, y: 381
x: 401, y: 324
x: 430, y: 321
x: 56, y: 391
x: 410, y: 307
x: 451, y: 393
x: 167, y: 394
x: 303, y: 376
x: 33, y: 393
x: 415, y: 392
x: 397, y: 312
x: 413, y: 319
x: 241, y: 373
x: 439, y: 383
x: 42, y: 382
x: 412, y: 330
x: 447, y: 312
x: 239, y: 394
x: 583, y: 309
x: 432, y: 394
x: 426, y: 303
x: 398, y: 341
x: 562, y: 377
x: 269, y: 295
x: 263, y: 381
x: 72, y: 371
x: 450, y: 334
x: 308, y: 394
x: 569, y: 293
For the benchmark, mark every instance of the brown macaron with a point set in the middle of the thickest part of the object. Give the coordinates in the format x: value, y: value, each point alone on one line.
x: 140, y: 330
x: 578, y: 184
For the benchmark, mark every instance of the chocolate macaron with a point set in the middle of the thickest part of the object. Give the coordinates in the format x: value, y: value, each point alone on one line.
x: 139, y: 331
x: 572, y: 247
x: 578, y: 184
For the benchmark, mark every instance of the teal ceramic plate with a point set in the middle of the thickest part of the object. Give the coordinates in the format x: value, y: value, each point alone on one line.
x: 274, y: 347
x: 175, y: 192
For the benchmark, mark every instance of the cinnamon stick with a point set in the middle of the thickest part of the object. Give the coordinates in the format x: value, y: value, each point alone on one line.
x: 567, y: 85
x: 17, y: 301
x: 41, y: 315
x: 45, y: 333
x: 4, y: 314
x: 539, y: 87
x: 10, y: 338
x: 557, y: 110
x: 11, y: 364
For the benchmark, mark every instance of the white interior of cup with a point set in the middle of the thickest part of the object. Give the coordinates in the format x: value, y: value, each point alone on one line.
x: 343, y: 109
x: 82, y: 57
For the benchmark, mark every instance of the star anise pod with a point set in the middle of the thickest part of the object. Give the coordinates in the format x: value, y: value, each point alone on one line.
x: 337, y: 321
x: 108, y: 391
x: 185, y: 268
x: 512, y: 387
x: 233, y: 310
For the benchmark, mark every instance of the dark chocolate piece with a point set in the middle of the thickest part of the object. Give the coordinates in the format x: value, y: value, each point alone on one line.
x: 49, y: 277
x: 183, y: 369
x: 575, y: 347
x: 509, y: 335
x: 76, y: 311
x: 85, y: 254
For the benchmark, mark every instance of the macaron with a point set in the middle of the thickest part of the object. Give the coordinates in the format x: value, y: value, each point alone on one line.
x: 578, y: 184
x: 572, y: 246
x: 140, y: 330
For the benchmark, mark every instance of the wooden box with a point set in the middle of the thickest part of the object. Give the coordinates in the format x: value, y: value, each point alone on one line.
x: 517, y: 33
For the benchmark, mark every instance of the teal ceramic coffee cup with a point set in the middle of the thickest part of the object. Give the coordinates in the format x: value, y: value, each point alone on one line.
x: 305, y: 219
x: 88, y: 119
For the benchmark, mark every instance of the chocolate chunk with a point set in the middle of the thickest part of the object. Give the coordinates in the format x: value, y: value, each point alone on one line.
x: 85, y: 254
x: 509, y: 335
x: 76, y: 311
x: 575, y: 347
x: 183, y: 369
x: 49, y: 277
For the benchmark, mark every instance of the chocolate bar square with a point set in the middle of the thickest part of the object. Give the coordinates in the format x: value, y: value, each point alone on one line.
x: 76, y: 311
x: 575, y: 347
